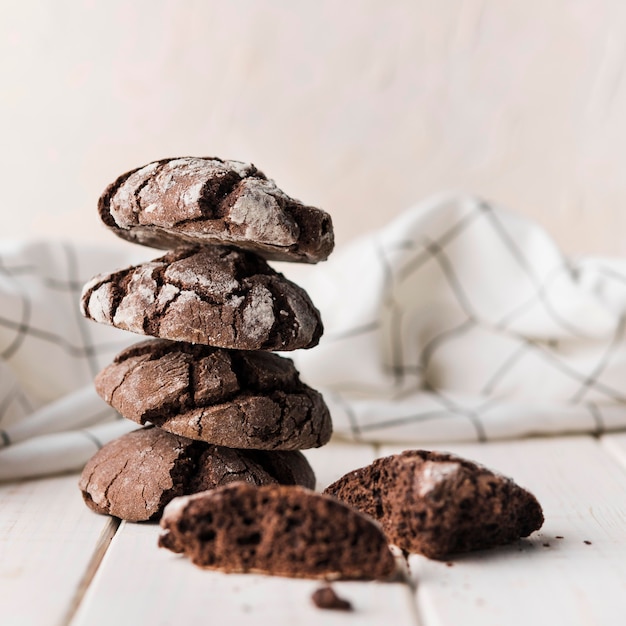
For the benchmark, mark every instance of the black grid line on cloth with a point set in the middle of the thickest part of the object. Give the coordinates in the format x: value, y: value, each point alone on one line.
x: 395, y: 313
x: 355, y: 427
x: 602, y: 364
x: 92, y: 438
x: 425, y: 357
x: 487, y: 405
x: 6, y: 402
x: 349, y: 387
x: 352, y: 332
x: 24, y: 402
x: 451, y: 233
x: 611, y: 393
x: 435, y: 252
x: 81, y: 322
x: 510, y: 244
x: 508, y: 319
x: 507, y: 364
x: 34, y: 271
x: 610, y: 273
x: 397, y: 347
x: 97, y: 418
x: 429, y: 349
x: 408, y: 419
x: 419, y: 387
x: 597, y: 417
x: 58, y: 340
x: 447, y: 268
x: 472, y: 416
x: 22, y: 327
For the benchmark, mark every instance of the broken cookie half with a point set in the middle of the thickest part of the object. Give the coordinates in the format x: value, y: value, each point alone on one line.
x: 438, y: 504
x: 276, y: 529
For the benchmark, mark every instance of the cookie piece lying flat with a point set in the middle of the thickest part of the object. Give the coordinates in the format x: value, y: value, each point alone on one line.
x: 210, y: 201
x: 438, y: 504
x: 326, y: 598
x: 135, y: 476
x: 235, y: 398
x: 213, y: 295
x: 286, y: 531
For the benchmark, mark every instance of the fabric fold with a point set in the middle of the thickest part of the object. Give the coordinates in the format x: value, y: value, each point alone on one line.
x: 458, y: 321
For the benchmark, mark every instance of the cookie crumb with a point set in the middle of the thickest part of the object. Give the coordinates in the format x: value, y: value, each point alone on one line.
x: 450, y: 564
x: 559, y: 537
x: 546, y: 545
x: 587, y: 542
x: 326, y: 598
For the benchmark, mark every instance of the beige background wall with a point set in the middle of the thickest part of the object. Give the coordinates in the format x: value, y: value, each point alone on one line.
x: 359, y: 106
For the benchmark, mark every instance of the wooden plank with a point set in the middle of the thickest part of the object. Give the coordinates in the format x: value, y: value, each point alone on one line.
x: 141, y: 584
x: 577, y: 580
x: 138, y: 583
x: 49, y: 544
x: 615, y: 445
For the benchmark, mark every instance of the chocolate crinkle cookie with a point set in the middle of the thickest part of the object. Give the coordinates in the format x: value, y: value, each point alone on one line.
x: 213, y: 295
x: 236, y: 398
x: 195, y: 200
x: 274, y: 529
x: 135, y: 476
x: 439, y: 504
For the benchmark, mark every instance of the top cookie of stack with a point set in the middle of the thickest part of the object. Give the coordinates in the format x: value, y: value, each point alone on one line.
x: 222, y: 294
x: 211, y: 201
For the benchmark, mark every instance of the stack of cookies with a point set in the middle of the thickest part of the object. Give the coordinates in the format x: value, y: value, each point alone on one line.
x: 222, y: 407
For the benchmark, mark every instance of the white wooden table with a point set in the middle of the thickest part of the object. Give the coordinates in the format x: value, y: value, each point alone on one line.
x: 61, y: 564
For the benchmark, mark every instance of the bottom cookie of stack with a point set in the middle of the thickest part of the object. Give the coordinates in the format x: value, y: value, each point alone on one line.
x: 135, y: 476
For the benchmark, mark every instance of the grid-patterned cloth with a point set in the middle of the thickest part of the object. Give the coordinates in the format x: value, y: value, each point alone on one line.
x: 51, y: 419
x: 458, y: 321
x: 461, y: 321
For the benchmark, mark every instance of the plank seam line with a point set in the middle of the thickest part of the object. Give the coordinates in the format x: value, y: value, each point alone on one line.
x: 104, y: 541
x: 612, y: 450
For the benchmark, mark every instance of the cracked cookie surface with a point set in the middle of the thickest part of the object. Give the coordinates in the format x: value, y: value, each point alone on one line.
x: 196, y: 200
x: 135, y: 476
x: 213, y: 295
x: 273, y: 529
x: 235, y: 398
x: 438, y: 504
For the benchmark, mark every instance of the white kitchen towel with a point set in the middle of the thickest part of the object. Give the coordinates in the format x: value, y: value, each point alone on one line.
x: 51, y: 419
x: 459, y: 321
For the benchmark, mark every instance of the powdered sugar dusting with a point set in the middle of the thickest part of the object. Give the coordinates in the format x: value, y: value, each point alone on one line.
x: 213, y: 278
x: 258, y: 315
x: 261, y: 215
x: 142, y: 291
x: 434, y: 473
x: 167, y: 294
x: 99, y: 307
